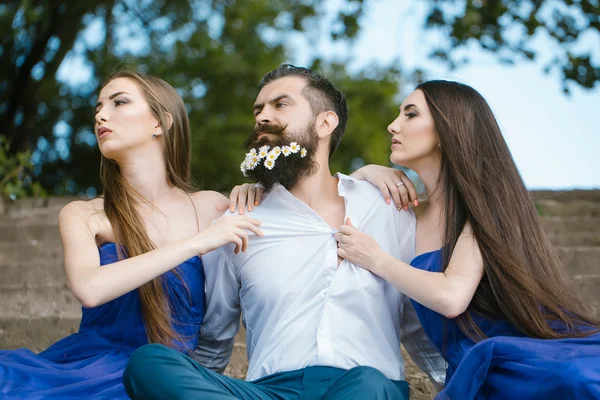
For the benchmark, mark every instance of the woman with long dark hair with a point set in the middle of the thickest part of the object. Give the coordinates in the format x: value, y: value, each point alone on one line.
x: 132, y: 255
x: 485, y: 281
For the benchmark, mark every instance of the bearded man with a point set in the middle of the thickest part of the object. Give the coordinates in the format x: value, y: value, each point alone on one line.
x: 317, y: 326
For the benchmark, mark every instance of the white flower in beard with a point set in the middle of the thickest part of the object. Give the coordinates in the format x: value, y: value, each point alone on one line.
x: 274, y: 154
x: 303, y: 152
x: 262, y: 152
x: 269, y: 164
x: 251, y: 161
x: 286, y: 150
x: 294, y: 147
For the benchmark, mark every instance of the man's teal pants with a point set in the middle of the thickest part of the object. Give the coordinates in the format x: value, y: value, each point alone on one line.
x: 158, y: 372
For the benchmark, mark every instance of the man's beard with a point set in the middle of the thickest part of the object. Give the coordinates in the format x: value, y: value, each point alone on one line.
x: 288, y: 171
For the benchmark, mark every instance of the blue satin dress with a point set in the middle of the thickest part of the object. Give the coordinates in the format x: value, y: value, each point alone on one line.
x: 508, y: 365
x: 90, y: 363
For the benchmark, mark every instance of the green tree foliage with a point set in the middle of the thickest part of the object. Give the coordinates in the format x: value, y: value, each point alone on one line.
x: 213, y: 51
x: 508, y: 27
x: 17, y: 180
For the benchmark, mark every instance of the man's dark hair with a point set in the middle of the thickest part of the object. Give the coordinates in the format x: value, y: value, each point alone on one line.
x: 320, y: 93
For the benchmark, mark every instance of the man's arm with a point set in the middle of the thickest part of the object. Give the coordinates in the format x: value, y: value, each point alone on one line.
x: 222, y: 318
x: 420, y: 348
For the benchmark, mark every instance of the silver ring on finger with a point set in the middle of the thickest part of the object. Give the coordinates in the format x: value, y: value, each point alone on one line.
x: 400, y: 184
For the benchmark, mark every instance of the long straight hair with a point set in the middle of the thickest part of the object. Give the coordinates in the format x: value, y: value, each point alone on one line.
x: 120, y: 197
x: 522, y: 281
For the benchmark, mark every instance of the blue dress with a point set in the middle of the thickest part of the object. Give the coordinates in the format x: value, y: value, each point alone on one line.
x: 90, y: 363
x: 508, y: 365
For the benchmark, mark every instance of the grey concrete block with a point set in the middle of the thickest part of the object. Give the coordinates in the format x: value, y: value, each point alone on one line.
x: 45, y: 302
x: 35, y: 334
x: 564, y: 225
x: 13, y: 253
x: 580, y: 261
x: 32, y: 274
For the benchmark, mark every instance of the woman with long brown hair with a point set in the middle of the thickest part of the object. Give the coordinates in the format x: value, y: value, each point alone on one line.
x: 132, y: 255
x: 485, y: 281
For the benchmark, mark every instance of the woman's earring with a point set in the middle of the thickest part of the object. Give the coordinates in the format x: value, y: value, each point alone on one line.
x: 154, y: 135
x: 439, y: 146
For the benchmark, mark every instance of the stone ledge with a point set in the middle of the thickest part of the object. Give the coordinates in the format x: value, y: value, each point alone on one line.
x: 36, y: 334
x: 45, y: 302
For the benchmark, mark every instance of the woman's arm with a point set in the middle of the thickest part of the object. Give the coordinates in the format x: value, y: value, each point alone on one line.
x: 94, y: 285
x: 448, y: 293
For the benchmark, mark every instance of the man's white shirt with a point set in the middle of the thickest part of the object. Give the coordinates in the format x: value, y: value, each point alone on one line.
x: 299, y: 307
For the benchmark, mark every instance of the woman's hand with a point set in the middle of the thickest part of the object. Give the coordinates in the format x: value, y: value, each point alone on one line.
x: 392, y: 182
x: 358, y: 248
x: 246, y: 195
x: 227, y: 230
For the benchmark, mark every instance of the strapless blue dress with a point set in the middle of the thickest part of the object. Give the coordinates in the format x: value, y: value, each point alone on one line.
x: 90, y: 363
x: 507, y: 365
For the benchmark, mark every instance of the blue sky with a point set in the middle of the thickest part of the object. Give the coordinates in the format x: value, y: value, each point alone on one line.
x: 554, y: 138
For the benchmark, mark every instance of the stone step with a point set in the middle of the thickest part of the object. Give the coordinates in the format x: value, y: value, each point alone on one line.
x: 33, y: 206
x: 20, y: 231
x: 586, y: 287
x: 36, y: 334
x: 38, y: 302
x: 46, y: 214
x: 558, y: 225
x: 29, y: 251
x: 569, y: 208
x: 580, y: 261
x: 574, y: 239
x: 33, y: 274
x: 566, y: 195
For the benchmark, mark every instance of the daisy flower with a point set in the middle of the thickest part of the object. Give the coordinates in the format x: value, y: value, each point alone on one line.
x: 294, y: 148
x: 286, y: 150
x: 269, y: 164
x: 262, y: 152
x: 252, y: 152
x: 303, y: 153
x: 251, y: 162
x: 273, y: 154
x: 243, y: 168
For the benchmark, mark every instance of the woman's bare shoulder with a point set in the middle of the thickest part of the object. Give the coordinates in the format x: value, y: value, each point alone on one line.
x: 210, y: 204
x: 84, y: 208
x: 83, y: 216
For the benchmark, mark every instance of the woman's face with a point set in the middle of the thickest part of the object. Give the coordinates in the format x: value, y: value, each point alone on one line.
x: 414, y: 137
x: 123, y: 118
